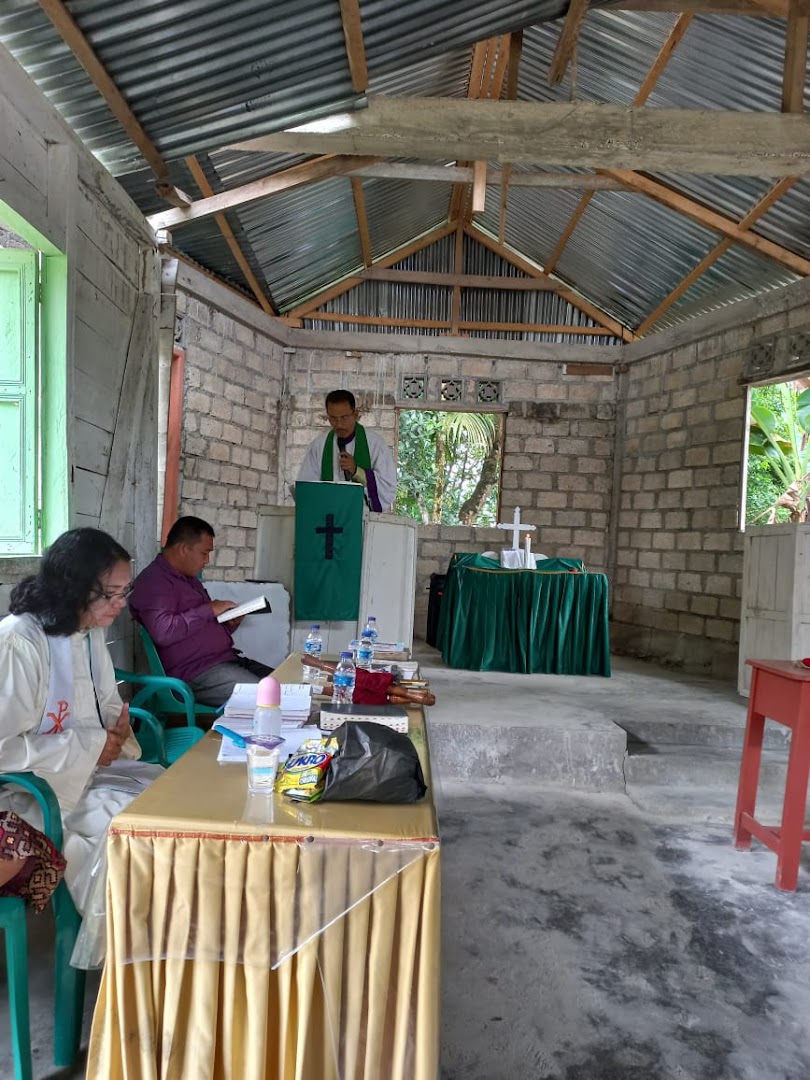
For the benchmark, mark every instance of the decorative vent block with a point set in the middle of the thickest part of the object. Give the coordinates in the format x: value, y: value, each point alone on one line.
x: 798, y: 346
x: 760, y: 358
x: 452, y: 390
x: 414, y: 387
x: 488, y: 391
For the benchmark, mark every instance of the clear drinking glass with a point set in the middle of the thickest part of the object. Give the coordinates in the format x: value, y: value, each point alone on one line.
x: 262, y: 763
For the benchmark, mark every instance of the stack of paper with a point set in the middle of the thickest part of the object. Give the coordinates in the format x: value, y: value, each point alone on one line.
x: 296, y: 699
x: 230, y: 751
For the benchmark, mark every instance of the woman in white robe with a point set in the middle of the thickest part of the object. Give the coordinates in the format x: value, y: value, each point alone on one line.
x: 60, y: 713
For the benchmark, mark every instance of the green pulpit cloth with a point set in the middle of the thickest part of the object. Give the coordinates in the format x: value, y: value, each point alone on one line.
x: 552, y: 620
x: 328, y: 551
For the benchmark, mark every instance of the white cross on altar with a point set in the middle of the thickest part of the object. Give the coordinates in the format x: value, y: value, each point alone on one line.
x: 516, y: 528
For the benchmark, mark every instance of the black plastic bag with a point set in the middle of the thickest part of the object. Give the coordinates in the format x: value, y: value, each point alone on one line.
x: 373, y: 764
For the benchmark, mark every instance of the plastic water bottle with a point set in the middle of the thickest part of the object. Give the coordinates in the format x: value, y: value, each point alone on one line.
x: 344, y: 677
x: 364, y: 653
x: 370, y: 629
x: 313, y: 646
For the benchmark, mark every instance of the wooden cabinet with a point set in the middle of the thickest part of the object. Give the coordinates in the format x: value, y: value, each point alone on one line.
x: 775, y: 618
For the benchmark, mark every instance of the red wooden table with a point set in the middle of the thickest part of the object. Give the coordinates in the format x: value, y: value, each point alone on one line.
x: 780, y: 690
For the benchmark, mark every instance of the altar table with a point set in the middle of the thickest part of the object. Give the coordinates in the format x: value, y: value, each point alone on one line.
x: 553, y: 619
x: 274, y: 939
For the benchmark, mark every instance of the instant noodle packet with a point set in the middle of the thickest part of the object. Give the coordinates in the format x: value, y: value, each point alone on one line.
x: 303, y: 777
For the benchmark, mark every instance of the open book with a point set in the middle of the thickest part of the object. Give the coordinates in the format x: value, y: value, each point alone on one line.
x: 250, y: 607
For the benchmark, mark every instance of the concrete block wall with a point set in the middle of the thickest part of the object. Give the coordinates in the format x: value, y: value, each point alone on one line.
x: 677, y: 581
x: 230, y: 439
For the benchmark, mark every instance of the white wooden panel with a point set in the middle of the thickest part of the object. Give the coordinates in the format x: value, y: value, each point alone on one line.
x: 93, y: 401
x: 104, y: 231
x: 264, y: 637
x: 101, y: 272
x: 389, y: 576
x: 109, y: 322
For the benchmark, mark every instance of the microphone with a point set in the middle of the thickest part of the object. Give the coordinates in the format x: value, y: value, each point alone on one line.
x: 342, y: 444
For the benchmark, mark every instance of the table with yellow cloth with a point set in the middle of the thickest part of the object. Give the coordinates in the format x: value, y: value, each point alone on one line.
x: 293, y: 941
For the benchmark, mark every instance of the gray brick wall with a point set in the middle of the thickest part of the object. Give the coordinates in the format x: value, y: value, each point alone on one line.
x: 230, y: 440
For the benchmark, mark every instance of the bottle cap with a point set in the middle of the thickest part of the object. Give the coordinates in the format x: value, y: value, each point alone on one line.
x: 268, y: 694
x: 315, y: 626
x: 345, y: 656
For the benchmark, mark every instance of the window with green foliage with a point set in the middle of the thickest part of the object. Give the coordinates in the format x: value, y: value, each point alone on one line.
x: 778, y: 466
x: 33, y: 422
x: 449, y: 466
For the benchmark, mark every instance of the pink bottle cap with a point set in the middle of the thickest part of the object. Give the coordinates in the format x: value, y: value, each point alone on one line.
x: 268, y: 694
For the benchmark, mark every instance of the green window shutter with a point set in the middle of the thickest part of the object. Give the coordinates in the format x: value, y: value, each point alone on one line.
x: 18, y: 402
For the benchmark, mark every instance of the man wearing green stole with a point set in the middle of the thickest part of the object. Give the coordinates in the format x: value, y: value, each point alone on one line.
x: 351, y: 454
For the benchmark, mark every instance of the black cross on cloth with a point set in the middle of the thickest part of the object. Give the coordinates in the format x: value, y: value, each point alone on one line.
x: 329, y: 529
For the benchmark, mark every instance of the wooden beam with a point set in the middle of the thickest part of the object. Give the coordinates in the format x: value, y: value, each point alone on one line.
x: 224, y: 227
x: 462, y: 174
x: 479, y: 190
x: 580, y: 133
x: 506, y: 174
x: 362, y: 220
x: 515, y: 54
x: 464, y: 281
x: 764, y: 204
x: 68, y: 29
x: 567, y: 41
x: 306, y: 173
x: 355, y: 46
x: 653, y: 75
x: 795, y: 70
x: 713, y: 220
x: 435, y: 324
x: 352, y: 282
x: 562, y: 290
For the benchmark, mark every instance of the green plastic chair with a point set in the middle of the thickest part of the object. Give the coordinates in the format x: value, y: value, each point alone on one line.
x: 164, y: 696
x: 69, y: 990
x: 159, y: 745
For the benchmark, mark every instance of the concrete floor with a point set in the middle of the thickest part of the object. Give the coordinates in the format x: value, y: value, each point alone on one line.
x: 585, y: 938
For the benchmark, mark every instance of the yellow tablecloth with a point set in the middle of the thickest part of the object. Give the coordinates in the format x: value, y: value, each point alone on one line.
x: 305, y: 947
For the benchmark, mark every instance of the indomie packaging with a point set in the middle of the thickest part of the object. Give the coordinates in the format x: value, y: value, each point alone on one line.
x: 302, y: 778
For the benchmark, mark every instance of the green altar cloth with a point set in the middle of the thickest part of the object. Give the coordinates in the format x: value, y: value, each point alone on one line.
x: 552, y: 620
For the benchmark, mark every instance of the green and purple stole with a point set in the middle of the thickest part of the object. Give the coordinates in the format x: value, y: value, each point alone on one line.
x: 362, y: 458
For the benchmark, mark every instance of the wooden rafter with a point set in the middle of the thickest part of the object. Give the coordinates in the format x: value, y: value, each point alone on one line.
x: 756, y: 212
x: 206, y: 191
x: 653, y: 75
x: 308, y: 172
x: 528, y: 267
x: 487, y: 72
x: 462, y: 174
x: 567, y: 41
x: 512, y: 77
x: 340, y: 287
x: 750, y: 8
x: 795, y: 70
x: 464, y: 281
x: 68, y: 29
x: 355, y: 46
x: 713, y: 220
x: 436, y: 324
x: 362, y: 220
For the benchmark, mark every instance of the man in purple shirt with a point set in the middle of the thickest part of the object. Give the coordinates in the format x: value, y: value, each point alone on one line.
x: 168, y: 599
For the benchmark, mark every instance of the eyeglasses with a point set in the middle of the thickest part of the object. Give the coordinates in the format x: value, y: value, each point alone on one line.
x: 115, y: 594
x: 337, y: 419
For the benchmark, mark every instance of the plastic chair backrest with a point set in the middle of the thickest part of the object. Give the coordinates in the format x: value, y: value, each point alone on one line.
x: 155, y: 665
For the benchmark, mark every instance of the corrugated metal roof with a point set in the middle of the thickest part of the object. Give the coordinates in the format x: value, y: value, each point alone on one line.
x: 200, y: 74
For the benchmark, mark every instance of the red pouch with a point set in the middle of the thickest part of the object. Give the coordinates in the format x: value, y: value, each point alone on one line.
x: 371, y: 687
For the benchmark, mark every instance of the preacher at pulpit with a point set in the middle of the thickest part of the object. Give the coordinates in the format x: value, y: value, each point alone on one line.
x: 352, y: 454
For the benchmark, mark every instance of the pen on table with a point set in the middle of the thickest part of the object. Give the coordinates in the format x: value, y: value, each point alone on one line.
x: 234, y: 736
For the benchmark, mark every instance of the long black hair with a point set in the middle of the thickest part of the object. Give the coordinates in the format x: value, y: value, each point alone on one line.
x: 68, y: 579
